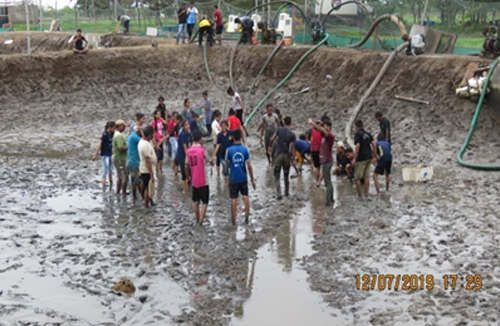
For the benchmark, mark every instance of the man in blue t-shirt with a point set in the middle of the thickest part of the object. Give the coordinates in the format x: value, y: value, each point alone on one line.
x: 223, y: 142
x: 384, y: 162
x: 192, y: 14
x: 133, y: 163
x: 184, y: 141
x: 238, y: 158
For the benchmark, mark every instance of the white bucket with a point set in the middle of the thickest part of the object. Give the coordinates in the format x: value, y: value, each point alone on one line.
x: 417, y: 174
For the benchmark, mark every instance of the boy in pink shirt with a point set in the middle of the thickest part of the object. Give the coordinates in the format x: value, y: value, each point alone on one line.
x: 159, y: 124
x: 195, y: 167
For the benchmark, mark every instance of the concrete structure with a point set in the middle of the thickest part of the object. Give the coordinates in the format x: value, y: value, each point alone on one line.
x: 14, y: 12
x: 435, y: 41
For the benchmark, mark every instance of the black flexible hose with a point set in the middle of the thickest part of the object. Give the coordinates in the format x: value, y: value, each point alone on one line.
x: 382, y: 18
x: 337, y: 7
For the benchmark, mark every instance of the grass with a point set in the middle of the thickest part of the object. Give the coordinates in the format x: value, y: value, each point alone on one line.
x: 99, y: 26
x: 468, y: 38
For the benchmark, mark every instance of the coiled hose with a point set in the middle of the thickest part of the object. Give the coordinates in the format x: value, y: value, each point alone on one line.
x: 382, y: 18
x: 374, y: 84
x: 287, y: 77
x: 461, y: 152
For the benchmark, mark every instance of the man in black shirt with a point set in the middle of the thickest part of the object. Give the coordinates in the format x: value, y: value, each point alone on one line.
x: 282, y: 154
x: 385, y: 126
x: 182, y: 26
x: 80, y: 43
x: 162, y: 107
x: 365, y: 150
x: 246, y: 29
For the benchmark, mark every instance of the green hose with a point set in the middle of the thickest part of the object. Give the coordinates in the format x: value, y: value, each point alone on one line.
x: 460, y: 161
x: 287, y: 77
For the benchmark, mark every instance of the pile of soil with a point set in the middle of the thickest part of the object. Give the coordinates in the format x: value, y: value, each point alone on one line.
x: 55, y: 105
x: 129, y: 80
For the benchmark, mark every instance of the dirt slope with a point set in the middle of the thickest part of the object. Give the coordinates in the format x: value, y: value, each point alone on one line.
x: 121, y: 81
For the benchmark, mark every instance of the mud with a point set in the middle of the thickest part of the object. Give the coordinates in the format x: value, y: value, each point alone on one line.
x: 65, y: 243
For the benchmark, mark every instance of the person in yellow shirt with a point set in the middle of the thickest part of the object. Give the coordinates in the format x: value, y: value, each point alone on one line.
x: 205, y: 28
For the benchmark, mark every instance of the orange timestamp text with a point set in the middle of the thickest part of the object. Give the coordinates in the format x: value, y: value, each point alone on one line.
x: 414, y: 282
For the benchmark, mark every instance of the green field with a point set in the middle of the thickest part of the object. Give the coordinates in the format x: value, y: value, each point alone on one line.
x: 468, y: 38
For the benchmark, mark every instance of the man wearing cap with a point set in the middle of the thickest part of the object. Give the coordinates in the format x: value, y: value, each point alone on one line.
x: 342, y: 160
x: 120, y: 157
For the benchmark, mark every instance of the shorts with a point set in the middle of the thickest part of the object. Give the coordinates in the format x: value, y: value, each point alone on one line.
x: 362, y: 170
x: 159, y: 153
x: 107, y: 166
x: 146, y: 178
x: 182, y: 166
x: 315, y: 159
x: 239, y: 115
x: 121, y: 169
x: 299, y: 157
x: 218, y: 160
x: 383, y: 167
x: 133, y: 171
x: 201, y: 194
x: 238, y: 188
x: 218, y: 29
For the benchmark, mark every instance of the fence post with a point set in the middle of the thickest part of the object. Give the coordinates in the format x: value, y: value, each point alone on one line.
x: 28, y: 25
x: 116, y: 15
x: 41, y: 15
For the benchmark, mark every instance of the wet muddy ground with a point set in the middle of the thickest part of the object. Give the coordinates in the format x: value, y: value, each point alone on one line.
x: 64, y: 243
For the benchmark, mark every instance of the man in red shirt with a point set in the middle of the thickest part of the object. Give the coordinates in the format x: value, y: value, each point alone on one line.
x: 219, y: 24
x: 314, y: 137
x: 234, y: 123
x: 326, y: 156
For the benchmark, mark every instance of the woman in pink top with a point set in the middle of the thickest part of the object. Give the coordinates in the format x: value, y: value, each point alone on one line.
x: 195, y: 166
x: 159, y: 124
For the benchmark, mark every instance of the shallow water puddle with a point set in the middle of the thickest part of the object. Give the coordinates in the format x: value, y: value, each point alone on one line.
x: 45, y: 295
x: 281, y: 294
x: 73, y: 201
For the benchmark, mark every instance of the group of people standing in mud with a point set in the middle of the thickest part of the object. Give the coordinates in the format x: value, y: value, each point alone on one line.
x: 315, y: 147
x: 180, y: 136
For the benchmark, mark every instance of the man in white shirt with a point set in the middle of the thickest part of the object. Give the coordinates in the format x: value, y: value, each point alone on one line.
x: 147, y: 166
x: 192, y: 16
x: 216, y: 128
x: 125, y: 22
x: 238, y: 106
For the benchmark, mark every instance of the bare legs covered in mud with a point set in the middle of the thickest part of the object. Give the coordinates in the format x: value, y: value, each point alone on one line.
x: 200, y: 216
x: 377, y: 185
x: 234, y: 202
